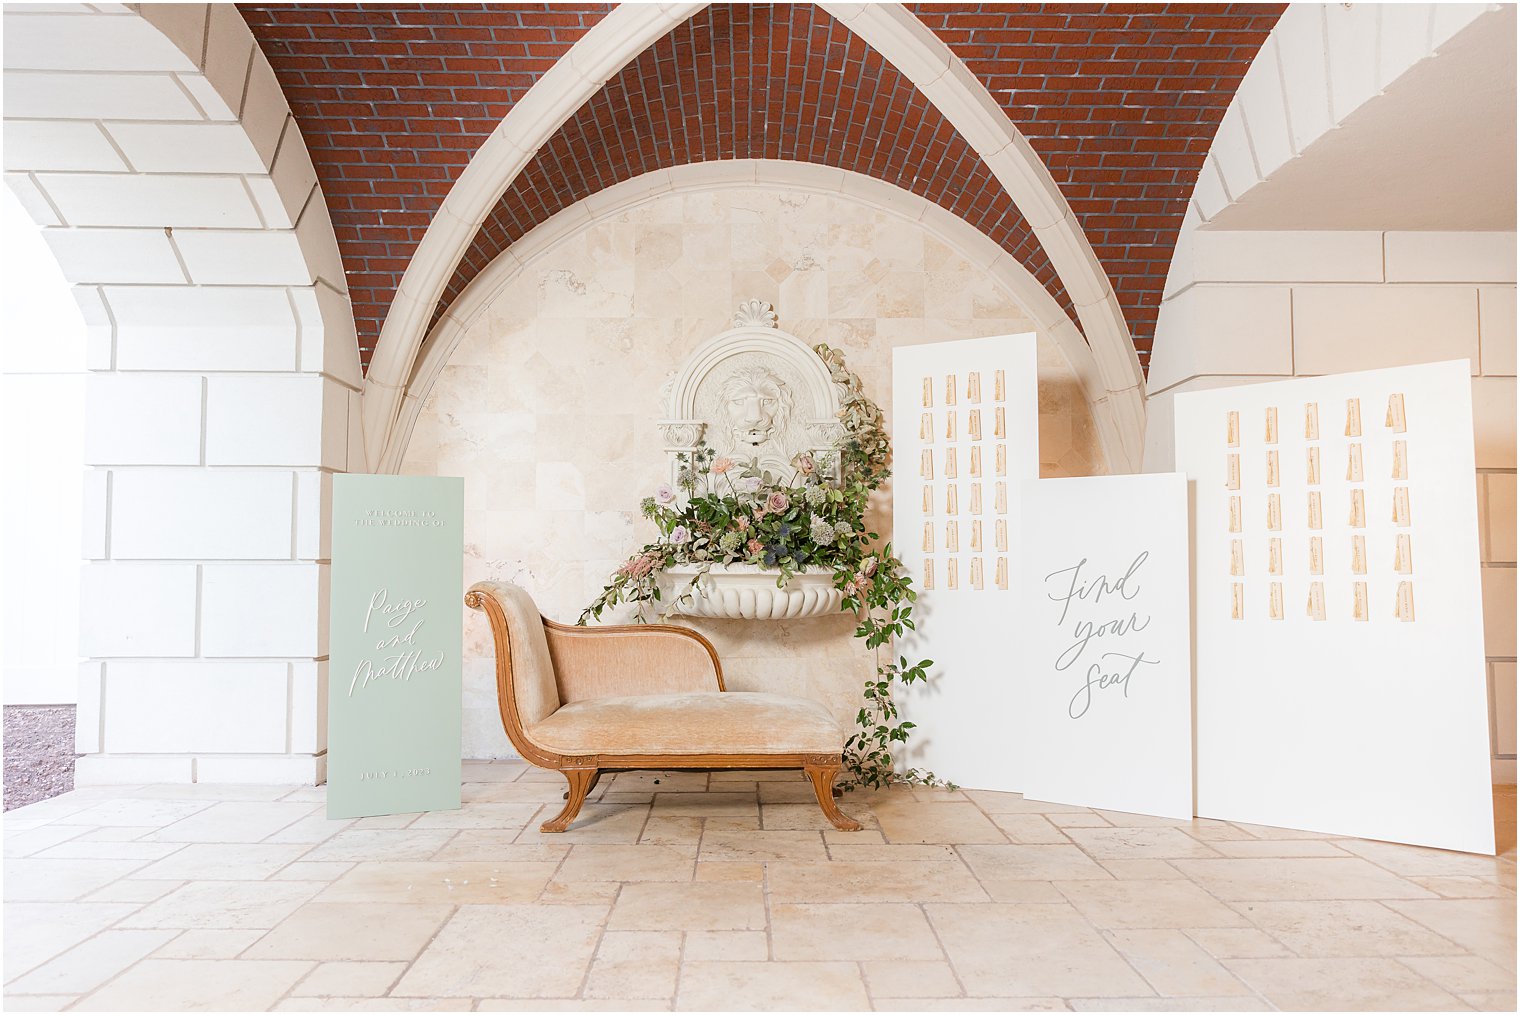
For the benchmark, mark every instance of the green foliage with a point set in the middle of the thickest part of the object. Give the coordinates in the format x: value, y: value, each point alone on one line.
x: 730, y: 512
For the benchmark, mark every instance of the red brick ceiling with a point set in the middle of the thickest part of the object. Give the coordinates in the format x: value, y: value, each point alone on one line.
x: 393, y: 100
x: 1121, y: 101
x: 748, y: 81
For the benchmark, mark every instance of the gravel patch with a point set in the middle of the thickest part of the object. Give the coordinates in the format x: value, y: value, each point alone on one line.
x: 39, y: 753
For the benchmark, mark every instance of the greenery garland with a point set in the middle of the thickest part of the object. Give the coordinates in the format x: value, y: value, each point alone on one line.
x: 724, y: 511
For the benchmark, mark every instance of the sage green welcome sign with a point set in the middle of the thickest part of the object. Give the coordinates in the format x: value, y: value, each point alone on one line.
x: 393, y: 689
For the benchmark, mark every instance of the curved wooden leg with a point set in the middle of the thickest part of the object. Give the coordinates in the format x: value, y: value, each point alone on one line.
x: 821, y: 773
x: 581, y: 780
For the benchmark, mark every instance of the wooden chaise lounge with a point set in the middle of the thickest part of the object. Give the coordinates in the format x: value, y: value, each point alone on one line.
x: 588, y: 700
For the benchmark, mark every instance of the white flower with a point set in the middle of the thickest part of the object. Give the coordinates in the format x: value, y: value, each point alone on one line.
x: 680, y: 535
x: 748, y: 484
x: 664, y: 495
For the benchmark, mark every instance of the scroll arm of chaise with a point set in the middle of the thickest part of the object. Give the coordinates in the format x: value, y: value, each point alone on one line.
x: 605, y: 662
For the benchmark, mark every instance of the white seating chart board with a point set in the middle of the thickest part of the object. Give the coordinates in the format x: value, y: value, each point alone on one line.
x: 1337, y: 607
x: 965, y: 432
x: 1105, y: 716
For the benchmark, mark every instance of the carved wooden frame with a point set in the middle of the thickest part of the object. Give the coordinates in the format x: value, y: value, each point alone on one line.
x: 582, y: 772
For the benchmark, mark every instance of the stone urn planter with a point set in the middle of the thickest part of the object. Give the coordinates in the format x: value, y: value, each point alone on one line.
x: 749, y: 592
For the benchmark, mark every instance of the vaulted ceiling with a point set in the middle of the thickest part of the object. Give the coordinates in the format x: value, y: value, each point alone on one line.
x: 1120, y: 101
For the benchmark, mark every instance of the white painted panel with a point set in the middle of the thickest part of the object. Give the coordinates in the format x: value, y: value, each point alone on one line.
x: 1231, y: 152
x: 191, y: 514
x: 1351, y: 327
x: 962, y: 714
x: 1223, y: 255
x: 38, y: 95
x: 115, y: 255
x: 1290, y: 710
x: 1265, y: 107
x: 275, y: 770
x: 1104, y: 660
x: 328, y: 341
x: 217, y: 257
x: 1496, y: 325
x: 1223, y: 329
x: 308, y: 707
x: 1405, y: 40
x: 165, y: 708
x: 142, y: 419
x: 181, y: 202
x: 263, y: 610
x: 59, y: 145
x: 203, y: 328
x: 137, y: 610
x: 1450, y: 257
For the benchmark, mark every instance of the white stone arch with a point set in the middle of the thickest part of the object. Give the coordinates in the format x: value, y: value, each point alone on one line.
x: 156, y: 151
x: 619, y: 38
x: 971, y: 244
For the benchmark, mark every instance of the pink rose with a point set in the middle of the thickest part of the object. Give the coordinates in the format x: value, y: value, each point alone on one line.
x: 760, y: 512
x: 754, y: 546
x: 777, y: 501
x: 722, y: 465
x: 742, y: 523
x: 806, y: 464
x: 868, y: 567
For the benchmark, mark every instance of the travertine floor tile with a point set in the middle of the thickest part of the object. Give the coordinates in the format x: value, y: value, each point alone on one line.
x: 1001, y: 950
x: 1238, y: 942
x: 595, y: 823
x: 86, y: 848
x: 705, y: 905
x: 1014, y: 803
x: 762, y: 846
x: 185, y: 984
x: 1174, y: 965
x: 772, y: 986
x: 1503, y: 1000
x: 223, y: 862
x: 498, y: 846
x: 705, y: 805
x: 228, y: 905
x: 455, y: 883
x: 1344, y: 928
x: 358, y: 844
x: 635, y: 963
x: 92, y: 962
x: 910, y: 978
x: 349, y: 979
x: 1462, y: 974
x: 132, y: 890
x: 911, y: 821
x: 34, y: 880
x: 579, y: 1004
x: 970, y: 1004
x: 481, y: 815
x: 376, y: 1004
x: 727, y: 945
x: 1232, y: 1002
x: 209, y: 944
x: 1278, y: 847
x: 1299, y: 879
x: 235, y: 821
x: 1485, y: 927
x: 329, y: 931
x: 550, y: 949
x: 125, y: 811
x: 873, y: 882
x: 1129, y: 843
x: 1029, y: 829
x: 315, y: 870
x: 1140, y: 905
x: 999, y: 868
x: 39, y: 1002
x: 1340, y: 984
x: 853, y: 933
x: 1411, y: 860
x: 590, y: 861
x: 32, y: 840
x: 730, y: 870
x: 1463, y: 887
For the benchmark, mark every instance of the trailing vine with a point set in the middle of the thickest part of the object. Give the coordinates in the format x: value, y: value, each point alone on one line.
x: 724, y: 511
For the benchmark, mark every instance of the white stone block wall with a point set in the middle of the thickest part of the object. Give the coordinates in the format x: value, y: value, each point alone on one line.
x: 177, y: 194
x: 1258, y: 306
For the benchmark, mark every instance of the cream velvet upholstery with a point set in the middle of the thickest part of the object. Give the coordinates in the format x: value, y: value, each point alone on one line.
x: 532, y: 666
x: 714, y: 722
x: 603, y: 662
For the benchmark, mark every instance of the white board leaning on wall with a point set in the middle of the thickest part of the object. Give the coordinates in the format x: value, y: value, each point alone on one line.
x: 1337, y: 606
x: 1105, y: 669
x: 965, y: 433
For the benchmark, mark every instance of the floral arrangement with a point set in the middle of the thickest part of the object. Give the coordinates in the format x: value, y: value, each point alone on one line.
x: 725, y: 511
